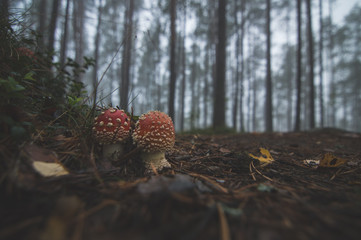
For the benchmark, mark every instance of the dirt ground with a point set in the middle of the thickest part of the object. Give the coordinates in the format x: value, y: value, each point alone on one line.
x: 215, y: 190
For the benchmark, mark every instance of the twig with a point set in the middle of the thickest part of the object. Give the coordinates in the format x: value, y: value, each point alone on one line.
x: 215, y: 184
x: 270, y: 179
x: 92, y: 160
x: 251, y: 172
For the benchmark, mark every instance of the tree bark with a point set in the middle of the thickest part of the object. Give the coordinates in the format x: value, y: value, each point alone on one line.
x: 320, y: 51
x: 184, y: 76
x: 96, y: 51
x: 4, y: 10
x: 332, y: 96
x: 78, y: 26
x: 42, y: 13
x: 64, y: 39
x: 268, y: 103
x: 299, y: 66
x: 311, y: 66
x: 127, y: 54
x: 172, y: 64
x: 219, y: 106
x: 241, y: 118
x: 236, y: 80
x: 52, y: 26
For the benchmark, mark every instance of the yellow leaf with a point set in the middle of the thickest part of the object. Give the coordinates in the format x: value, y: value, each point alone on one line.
x: 331, y: 161
x: 49, y: 169
x: 265, y: 158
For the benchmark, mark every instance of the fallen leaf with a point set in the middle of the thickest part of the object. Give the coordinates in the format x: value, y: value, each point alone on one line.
x: 311, y: 163
x: 49, y: 169
x: 331, y: 161
x: 265, y: 158
x: 45, y: 161
x: 328, y: 161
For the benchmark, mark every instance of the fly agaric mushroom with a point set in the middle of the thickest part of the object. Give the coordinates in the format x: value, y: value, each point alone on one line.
x: 111, y: 129
x: 154, y: 134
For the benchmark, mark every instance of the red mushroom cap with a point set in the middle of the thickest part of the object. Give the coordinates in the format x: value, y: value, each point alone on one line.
x: 111, y: 126
x: 154, y: 132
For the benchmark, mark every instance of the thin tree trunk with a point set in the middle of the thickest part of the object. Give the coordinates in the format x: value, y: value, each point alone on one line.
x: 52, y: 25
x: 241, y: 118
x: 289, y: 70
x: 183, y: 83
x: 206, y: 86
x: 96, y: 51
x: 4, y: 11
x: 78, y: 26
x: 321, y: 66
x: 332, y: 66
x: 299, y: 66
x: 193, y: 77
x: 127, y: 54
x: 219, y: 106
x: 268, y: 104
x: 173, y: 77
x: 64, y: 39
x: 236, y: 80
x: 311, y: 67
x: 42, y: 13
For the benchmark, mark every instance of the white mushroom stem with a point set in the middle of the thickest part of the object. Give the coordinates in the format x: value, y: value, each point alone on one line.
x: 113, y: 150
x: 156, y: 160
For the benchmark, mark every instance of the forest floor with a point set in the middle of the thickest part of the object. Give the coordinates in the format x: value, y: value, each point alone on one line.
x: 215, y: 190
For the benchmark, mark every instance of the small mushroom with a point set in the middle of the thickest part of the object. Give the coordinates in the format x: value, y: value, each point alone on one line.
x: 154, y: 134
x: 111, y: 129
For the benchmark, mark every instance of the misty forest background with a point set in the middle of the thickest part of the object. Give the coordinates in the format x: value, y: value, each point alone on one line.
x: 260, y: 65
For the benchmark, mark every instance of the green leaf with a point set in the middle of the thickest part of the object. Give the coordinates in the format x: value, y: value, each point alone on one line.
x: 29, y: 76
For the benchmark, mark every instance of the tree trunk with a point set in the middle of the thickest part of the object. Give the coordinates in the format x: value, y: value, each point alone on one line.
x: 206, y: 86
x: 4, y: 11
x: 241, y: 117
x: 193, y: 81
x: 236, y: 80
x: 268, y: 103
x: 219, y: 106
x: 320, y: 51
x: 52, y: 25
x: 127, y: 54
x: 42, y: 13
x: 96, y: 51
x: 183, y: 83
x: 172, y: 64
x: 64, y: 39
x: 299, y: 66
x: 332, y: 96
x: 311, y: 67
x: 290, y: 69
x: 78, y: 26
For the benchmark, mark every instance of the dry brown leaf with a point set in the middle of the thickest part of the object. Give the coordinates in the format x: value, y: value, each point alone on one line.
x: 331, y: 161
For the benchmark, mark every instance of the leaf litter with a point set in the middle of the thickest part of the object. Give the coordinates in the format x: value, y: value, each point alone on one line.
x: 215, y: 190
